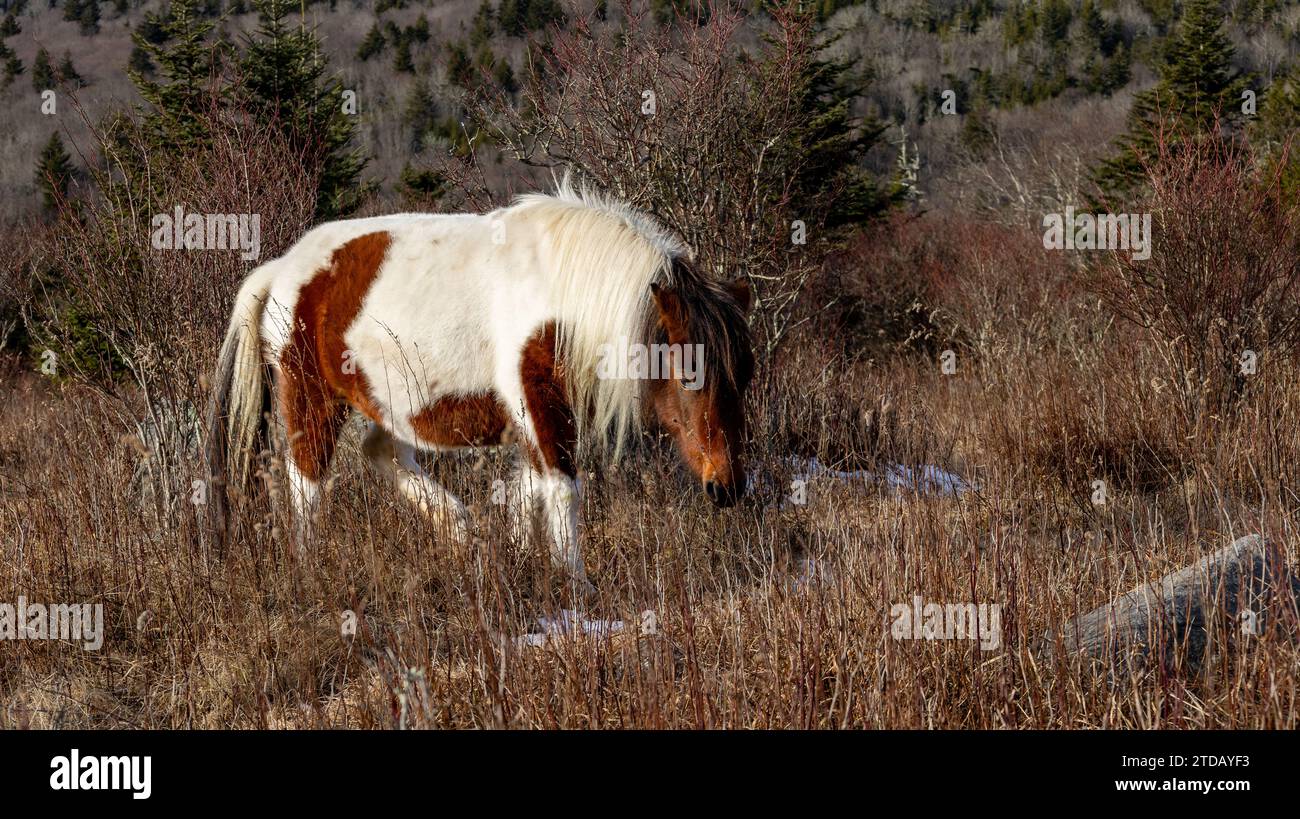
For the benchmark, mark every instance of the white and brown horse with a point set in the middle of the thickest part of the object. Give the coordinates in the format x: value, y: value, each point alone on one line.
x: 451, y: 331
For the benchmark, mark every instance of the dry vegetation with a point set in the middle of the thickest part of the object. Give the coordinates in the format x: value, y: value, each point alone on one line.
x: 769, y: 615
x: 1051, y: 393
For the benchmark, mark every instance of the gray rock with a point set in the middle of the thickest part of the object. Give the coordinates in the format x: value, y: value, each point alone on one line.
x: 1239, y: 592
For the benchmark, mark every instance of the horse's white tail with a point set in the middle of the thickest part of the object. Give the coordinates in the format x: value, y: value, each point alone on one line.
x: 240, y: 395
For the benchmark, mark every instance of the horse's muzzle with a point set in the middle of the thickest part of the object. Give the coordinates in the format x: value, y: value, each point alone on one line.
x: 725, y: 494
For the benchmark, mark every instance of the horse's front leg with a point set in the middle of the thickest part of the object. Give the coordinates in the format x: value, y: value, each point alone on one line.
x: 552, y: 496
x: 557, y: 496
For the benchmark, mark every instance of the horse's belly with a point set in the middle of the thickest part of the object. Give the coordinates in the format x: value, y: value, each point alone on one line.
x: 451, y: 421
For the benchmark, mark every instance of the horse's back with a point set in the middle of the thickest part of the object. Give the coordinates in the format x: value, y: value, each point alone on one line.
x: 403, y: 310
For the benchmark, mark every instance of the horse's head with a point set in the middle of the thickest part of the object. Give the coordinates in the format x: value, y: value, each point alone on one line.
x: 700, y: 401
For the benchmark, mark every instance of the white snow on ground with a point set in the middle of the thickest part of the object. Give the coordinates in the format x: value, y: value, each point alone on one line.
x: 927, y: 479
x: 570, y: 623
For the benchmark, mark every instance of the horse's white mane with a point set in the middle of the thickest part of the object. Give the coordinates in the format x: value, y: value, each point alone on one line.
x: 602, y: 256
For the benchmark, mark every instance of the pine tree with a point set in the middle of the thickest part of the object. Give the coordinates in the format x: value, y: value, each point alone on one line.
x: 177, y: 42
x: 402, y: 62
x: 373, y: 44
x: 42, y: 72
x: 419, y: 32
x: 543, y: 13
x: 422, y: 186
x: 825, y: 156
x: 505, y: 76
x: 89, y: 17
x: 53, y: 172
x: 9, y: 27
x: 67, y: 73
x: 482, y: 30
x: 420, y: 113
x: 285, y: 83
x: 1198, y: 91
x: 1277, y: 132
x: 12, y: 66
x: 511, y: 16
x: 459, y: 68
x: 139, y: 61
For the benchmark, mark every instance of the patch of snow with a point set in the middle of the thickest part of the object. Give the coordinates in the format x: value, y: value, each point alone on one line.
x: 926, y: 479
x: 570, y: 623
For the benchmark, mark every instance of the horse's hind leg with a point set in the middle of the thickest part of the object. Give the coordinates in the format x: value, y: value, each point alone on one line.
x: 312, y: 423
x: 397, y: 461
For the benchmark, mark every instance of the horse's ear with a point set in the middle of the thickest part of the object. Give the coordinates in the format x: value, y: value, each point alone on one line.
x: 740, y: 291
x: 672, y: 315
x: 669, y: 304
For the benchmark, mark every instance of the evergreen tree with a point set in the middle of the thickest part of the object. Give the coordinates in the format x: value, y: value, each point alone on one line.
x: 419, y: 32
x: 373, y: 44
x: 402, y: 62
x: 1277, y: 132
x: 543, y: 13
x: 71, y: 10
x: 89, y: 17
x: 422, y: 186
x: 482, y: 30
x: 419, y: 114
x: 1198, y: 90
x: 9, y: 26
x: 511, y: 16
x: 67, y: 74
x: 12, y: 65
x: 505, y: 76
x: 484, y: 60
x: 53, y: 172
x: 42, y: 71
x: 825, y: 157
x: 139, y: 62
x: 285, y: 83
x: 177, y: 42
x: 459, y: 68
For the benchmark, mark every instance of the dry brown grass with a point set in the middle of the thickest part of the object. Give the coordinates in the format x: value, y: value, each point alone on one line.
x: 1052, y: 392
x: 251, y: 637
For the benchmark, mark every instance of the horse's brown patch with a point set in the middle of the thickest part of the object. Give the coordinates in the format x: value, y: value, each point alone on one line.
x: 477, y: 419
x: 316, y: 387
x: 547, y: 402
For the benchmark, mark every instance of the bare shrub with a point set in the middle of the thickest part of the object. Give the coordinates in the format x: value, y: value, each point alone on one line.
x: 117, y: 306
x: 689, y: 124
x: 1221, y: 283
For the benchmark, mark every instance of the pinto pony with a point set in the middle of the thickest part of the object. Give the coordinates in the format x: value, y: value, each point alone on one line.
x: 451, y: 331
